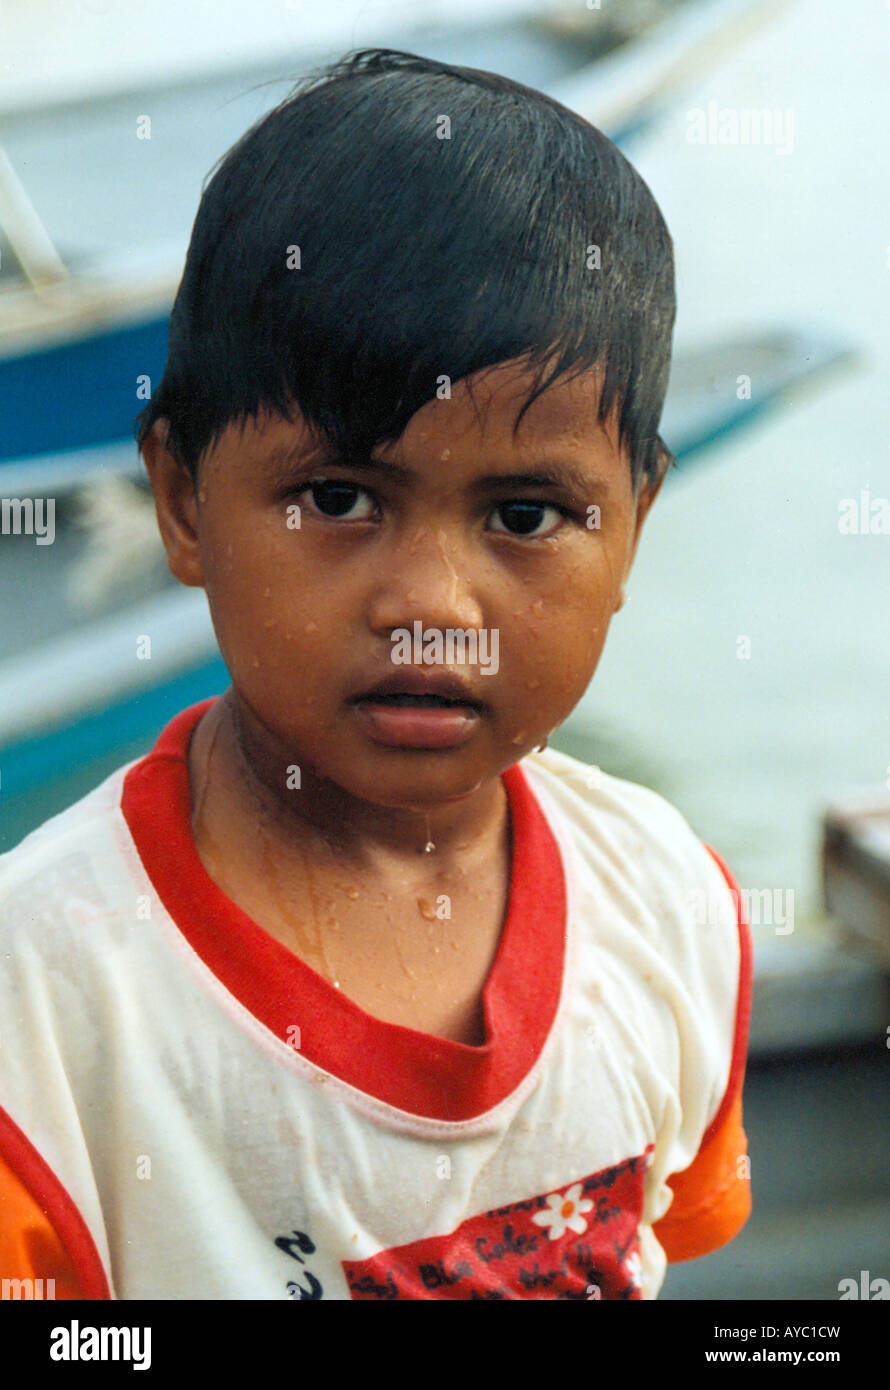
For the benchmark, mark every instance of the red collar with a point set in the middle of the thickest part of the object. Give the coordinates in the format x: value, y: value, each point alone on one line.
x: 414, y: 1071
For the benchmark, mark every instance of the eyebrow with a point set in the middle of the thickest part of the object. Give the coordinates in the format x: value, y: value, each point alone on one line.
x: 563, y: 476
x: 558, y: 475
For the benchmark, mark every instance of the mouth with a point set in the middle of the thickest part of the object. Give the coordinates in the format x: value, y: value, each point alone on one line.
x: 406, y: 700
x: 419, y: 710
x: 423, y: 689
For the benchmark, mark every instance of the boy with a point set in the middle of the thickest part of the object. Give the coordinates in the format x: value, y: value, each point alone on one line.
x: 350, y: 989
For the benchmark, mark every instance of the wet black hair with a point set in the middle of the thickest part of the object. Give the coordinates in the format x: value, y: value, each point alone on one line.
x: 397, y: 220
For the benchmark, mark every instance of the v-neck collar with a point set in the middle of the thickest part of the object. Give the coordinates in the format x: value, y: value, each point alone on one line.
x: 416, y: 1072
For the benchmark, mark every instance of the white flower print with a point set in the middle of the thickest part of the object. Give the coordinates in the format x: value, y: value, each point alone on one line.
x: 565, y: 1213
x: 634, y: 1266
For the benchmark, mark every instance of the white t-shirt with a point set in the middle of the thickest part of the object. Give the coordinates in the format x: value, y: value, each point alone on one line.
x: 195, y: 1113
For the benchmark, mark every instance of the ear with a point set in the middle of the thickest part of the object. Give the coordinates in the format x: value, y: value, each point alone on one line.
x: 176, y: 507
x: 645, y: 498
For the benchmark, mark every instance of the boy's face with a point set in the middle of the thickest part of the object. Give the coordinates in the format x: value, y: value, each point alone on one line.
x: 525, y: 542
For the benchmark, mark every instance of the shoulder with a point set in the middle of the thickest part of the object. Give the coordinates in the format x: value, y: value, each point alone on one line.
x: 649, y: 892
x: 586, y: 792
x: 634, y: 832
x: 60, y: 871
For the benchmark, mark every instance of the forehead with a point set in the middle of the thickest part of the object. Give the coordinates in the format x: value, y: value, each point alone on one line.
x: 472, y: 425
x: 483, y: 409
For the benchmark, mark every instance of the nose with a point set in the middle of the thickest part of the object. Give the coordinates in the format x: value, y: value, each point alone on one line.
x: 428, y: 579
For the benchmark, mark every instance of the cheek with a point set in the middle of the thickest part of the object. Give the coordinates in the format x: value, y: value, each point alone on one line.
x: 284, y: 629
x: 567, y: 619
x: 256, y: 593
x: 557, y: 656
x: 553, y: 644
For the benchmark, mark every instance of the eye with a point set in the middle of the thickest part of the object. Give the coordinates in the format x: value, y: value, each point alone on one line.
x: 526, y: 518
x: 340, y: 500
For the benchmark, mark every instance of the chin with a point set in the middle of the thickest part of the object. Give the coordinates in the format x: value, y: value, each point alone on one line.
x: 414, y: 791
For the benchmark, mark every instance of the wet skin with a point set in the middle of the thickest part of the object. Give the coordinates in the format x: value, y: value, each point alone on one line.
x: 458, y: 524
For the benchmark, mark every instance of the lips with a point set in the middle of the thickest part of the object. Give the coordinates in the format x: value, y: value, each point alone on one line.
x: 421, y: 689
x: 420, y: 710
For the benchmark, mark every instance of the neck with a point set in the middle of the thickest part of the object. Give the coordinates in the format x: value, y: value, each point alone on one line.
x: 235, y: 770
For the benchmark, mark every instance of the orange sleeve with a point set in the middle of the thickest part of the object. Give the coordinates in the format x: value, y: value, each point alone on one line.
x: 42, y: 1233
x: 712, y: 1197
x: 30, y: 1247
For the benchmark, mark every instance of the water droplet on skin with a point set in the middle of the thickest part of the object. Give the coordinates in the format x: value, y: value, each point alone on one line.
x: 336, y: 984
x: 429, y: 846
x: 427, y: 911
x: 538, y: 607
x: 352, y: 893
x: 229, y: 548
x: 520, y: 737
x: 455, y: 946
x: 256, y: 662
x: 406, y: 970
x: 311, y: 627
x: 532, y: 685
x: 267, y: 593
x: 445, y: 454
x: 270, y: 622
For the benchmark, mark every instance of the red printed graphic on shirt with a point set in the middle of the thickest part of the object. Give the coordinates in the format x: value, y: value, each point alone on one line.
x: 579, y: 1242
